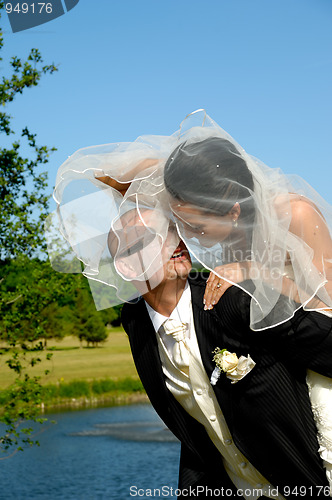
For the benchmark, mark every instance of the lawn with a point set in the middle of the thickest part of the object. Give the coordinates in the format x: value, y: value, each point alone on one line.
x: 70, y: 361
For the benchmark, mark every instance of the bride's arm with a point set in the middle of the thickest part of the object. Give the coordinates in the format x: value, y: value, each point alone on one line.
x: 123, y: 185
x: 119, y: 186
x: 238, y: 272
x: 308, y: 224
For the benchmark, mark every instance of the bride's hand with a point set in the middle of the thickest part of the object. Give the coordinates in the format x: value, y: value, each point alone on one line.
x: 216, y: 286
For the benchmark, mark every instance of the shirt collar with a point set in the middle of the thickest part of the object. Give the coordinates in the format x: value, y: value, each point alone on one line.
x: 181, y: 312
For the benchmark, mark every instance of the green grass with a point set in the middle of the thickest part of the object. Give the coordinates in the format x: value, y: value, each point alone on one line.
x: 71, y: 362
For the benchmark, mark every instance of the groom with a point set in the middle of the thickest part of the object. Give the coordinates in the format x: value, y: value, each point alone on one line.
x: 255, y: 437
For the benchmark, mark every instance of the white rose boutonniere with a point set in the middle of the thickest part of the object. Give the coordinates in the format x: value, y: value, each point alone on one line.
x: 234, y: 367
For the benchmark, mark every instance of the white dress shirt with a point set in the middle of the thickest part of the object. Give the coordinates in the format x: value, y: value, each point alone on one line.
x: 193, y: 391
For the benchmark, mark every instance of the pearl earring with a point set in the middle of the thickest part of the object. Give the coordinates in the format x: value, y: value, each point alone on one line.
x: 235, y: 224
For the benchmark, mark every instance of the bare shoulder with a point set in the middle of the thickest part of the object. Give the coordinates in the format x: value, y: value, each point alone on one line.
x: 302, y: 206
x: 306, y: 217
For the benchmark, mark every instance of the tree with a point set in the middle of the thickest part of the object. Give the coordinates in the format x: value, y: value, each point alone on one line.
x: 23, y: 208
x: 42, y: 302
x: 87, y: 323
x: 36, y: 303
x: 94, y: 332
x: 112, y: 315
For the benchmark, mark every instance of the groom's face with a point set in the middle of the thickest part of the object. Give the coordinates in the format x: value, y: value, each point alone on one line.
x: 179, y: 265
x: 142, y: 256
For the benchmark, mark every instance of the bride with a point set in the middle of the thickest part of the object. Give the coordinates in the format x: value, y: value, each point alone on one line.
x: 249, y: 225
x: 262, y: 228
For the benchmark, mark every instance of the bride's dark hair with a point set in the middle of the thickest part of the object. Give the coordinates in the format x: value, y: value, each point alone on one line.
x: 210, y: 174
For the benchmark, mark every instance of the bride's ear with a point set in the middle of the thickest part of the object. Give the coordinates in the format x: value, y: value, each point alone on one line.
x: 235, y: 212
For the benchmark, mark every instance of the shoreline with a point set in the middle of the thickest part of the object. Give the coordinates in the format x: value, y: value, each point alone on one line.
x: 82, y: 394
x: 81, y: 403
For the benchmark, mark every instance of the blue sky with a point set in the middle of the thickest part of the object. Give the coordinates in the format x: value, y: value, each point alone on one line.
x: 261, y: 68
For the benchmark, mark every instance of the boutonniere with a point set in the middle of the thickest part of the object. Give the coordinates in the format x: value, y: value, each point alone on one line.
x: 234, y: 367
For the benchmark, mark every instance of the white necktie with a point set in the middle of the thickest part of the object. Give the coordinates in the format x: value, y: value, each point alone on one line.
x: 180, y: 348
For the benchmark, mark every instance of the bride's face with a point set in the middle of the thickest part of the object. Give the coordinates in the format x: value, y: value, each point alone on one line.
x: 207, y: 227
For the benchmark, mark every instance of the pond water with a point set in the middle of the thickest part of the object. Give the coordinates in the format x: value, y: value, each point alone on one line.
x: 121, y: 452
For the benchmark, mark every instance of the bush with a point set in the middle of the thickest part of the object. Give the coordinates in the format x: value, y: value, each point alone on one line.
x: 130, y: 385
x: 74, y: 389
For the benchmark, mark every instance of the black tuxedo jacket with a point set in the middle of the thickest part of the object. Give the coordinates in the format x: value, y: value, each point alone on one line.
x: 268, y: 412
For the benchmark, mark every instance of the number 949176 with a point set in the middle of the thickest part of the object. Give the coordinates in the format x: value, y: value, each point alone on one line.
x: 306, y: 491
x: 29, y: 8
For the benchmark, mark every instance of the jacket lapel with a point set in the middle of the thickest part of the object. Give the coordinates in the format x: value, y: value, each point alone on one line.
x: 210, y: 335
x: 144, y: 348
x: 208, y: 328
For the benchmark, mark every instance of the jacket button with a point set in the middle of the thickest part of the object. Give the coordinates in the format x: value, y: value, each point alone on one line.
x: 228, y: 441
x: 243, y: 465
x: 213, y: 418
x: 199, y: 392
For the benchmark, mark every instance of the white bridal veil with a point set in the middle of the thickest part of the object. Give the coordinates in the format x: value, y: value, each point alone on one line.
x: 122, y: 208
